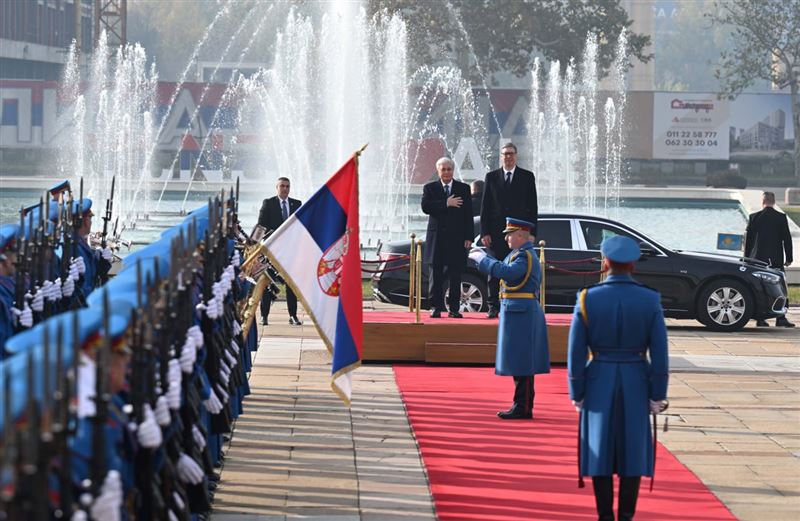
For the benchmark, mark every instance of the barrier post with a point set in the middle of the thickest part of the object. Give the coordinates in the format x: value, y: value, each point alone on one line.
x: 418, y: 270
x: 542, y: 267
x: 412, y: 279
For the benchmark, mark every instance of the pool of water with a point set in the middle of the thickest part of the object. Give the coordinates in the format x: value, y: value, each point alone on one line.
x: 675, y: 223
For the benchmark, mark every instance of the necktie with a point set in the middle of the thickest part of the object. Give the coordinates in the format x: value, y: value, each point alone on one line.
x: 508, y: 179
x: 285, y: 210
x: 446, y: 191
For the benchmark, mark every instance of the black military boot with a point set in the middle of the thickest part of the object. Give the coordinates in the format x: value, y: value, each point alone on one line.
x: 628, y: 494
x: 604, y: 497
x: 783, y: 322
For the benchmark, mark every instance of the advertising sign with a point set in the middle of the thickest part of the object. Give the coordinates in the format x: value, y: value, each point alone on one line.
x: 690, y: 126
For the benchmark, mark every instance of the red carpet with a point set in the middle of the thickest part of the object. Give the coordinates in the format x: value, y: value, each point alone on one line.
x: 404, y: 317
x: 484, y: 468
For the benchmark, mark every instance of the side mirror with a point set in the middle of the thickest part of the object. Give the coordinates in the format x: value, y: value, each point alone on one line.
x: 647, y: 249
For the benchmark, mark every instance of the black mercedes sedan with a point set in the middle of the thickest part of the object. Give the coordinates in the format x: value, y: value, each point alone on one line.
x: 723, y: 292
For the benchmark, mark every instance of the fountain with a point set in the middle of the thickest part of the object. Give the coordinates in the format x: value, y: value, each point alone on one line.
x: 338, y: 80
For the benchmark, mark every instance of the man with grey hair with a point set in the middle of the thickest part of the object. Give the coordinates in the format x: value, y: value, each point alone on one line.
x: 509, y: 191
x: 448, y: 204
x: 767, y: 239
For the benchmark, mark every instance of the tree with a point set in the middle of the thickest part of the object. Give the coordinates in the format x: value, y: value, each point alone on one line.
x: 507, y: 36
x: 766, y: 46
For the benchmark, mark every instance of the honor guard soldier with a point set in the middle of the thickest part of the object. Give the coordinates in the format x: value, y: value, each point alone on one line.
x: 97, y: 262
x: 8, y: 237
x: 522, y: 347
x: 618, y: 370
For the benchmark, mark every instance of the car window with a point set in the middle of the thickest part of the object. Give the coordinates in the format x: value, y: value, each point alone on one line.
x: 556, y: 234
x: 595, y: 233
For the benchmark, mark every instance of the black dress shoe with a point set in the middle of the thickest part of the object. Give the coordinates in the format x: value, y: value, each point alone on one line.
x: 455, y: 314
x: 264, y: 322
x: 761, y: 323
x: 492, y: 313
x: 783, y: 322
x: 514, y: 415
x: 436, y: 313
x: 293, y: 320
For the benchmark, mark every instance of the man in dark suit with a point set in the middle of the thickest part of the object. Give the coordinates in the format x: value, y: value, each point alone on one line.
x: 766, y: 239
x: 448, y: 204
x: 509, y: 191
x: 273, y: 212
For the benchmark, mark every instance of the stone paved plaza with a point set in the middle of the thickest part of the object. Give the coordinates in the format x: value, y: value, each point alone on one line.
x: 298, y: 453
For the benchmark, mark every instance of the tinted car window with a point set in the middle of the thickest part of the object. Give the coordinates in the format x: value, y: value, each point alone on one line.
x: 556, y: 234
x: 595, y: 233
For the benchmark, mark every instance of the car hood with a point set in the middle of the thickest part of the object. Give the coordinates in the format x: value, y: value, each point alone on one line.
x: 721, y: 257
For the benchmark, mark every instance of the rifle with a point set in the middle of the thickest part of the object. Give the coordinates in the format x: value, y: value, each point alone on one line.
x: 61, y: 416
x: 8, y: 463
x: 99, y: 466
x: 103, y: 276
x: 150, y: 504
x: 19, y: 264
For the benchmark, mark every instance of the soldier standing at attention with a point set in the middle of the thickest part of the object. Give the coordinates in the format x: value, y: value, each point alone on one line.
x: 618, y: 370
x: 522, y: 348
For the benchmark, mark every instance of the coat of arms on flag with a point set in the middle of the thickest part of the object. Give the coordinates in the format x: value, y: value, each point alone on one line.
x: 317, y: 251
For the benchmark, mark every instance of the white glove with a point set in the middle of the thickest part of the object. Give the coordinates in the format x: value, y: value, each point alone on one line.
x: 47, y: 291
x: 237, y: 327
x: 188, y: 470
x: 79, y: 515
x: 211, y: 308
x: 199, y: 439
x: 106, y: 254
x: 223, y: 395
x: 37, y: 304
x: 188, y: 355
x: 231, y: 359
x: 172, y: 516
x: 236, y: 259
x: 197, y: 334
x: 149, y: 433
x: 68, y: 288
x: 162, y: 411
x: 178, y: 502
x: 477, y: 255
x: 224, y: 373
x: 212, y: 403
x: 24, y: 317
x: 106, y: 506
x: 79, y: 264
x: 578, y: 405
x: 658, y: 406
x: 234, y: 345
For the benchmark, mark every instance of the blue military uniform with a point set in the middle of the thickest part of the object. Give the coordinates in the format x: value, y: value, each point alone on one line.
x: 617, y: 363
x: 8, y: 235
x: 522, y: 346
x: 96, y: 265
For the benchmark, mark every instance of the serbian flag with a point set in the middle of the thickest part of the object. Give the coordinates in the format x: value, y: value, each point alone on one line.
x: 317, y: 251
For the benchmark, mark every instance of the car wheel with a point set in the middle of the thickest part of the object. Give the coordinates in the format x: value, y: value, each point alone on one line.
x: 473, y: 294
x: 724, y: 305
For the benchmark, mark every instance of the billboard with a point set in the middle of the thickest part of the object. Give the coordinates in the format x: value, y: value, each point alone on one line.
x: 690, y: 126
x: 701, y: 127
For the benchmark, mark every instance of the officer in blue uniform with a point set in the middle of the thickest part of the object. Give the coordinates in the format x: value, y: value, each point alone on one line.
x: 618, y: 370
x: 97, y: 262
x: 522, y: 347
x: 8, y: 236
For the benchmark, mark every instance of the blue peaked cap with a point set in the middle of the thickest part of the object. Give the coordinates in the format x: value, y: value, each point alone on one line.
x: 84, y: 204
x: 620, y: 249
x: 30, y: 343
x: 8, y: 234
x: 513, y: 224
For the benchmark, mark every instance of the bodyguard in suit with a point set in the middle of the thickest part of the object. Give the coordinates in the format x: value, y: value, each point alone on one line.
x: 449, y: 237
x: 522, y: 347
x: 509, y: 191
x: 273, y: 212
x: 618, y: 369
x: 767, y: 239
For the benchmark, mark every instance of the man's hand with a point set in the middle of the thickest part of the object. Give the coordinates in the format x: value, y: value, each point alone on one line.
x: 454, y: 201
x: 467, y: 245
x: 578, y: 405
x: 658, y: 406
x: 788, y: 264
x: 487, y: 241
